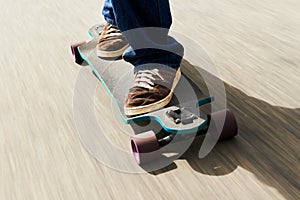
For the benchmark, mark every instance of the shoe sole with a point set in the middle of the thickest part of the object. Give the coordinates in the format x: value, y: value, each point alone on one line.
x: 112, y: 54
x: 157, y: 105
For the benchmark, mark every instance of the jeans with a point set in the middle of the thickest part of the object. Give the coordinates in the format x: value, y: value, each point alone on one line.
x: 145, y: 24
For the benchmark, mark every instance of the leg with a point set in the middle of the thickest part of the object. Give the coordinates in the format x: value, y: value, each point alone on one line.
x: 151, y: 44
x: 155, y: 55
x: 108, y: 12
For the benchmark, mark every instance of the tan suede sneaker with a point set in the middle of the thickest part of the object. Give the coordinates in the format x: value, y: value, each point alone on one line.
x: 151, y: 90
x: 111, y: 43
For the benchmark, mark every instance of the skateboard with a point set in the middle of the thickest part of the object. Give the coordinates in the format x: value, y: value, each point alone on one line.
x: 181, y: 117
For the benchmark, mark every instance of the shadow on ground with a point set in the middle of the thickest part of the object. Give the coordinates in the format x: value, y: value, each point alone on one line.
x: 267, y: 144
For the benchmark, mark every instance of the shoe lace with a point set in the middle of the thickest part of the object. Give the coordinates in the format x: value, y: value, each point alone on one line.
x: 145, y: 78
x: 110, y: 31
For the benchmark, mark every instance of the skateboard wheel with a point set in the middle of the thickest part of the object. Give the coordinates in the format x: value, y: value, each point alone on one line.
x: 144, y: 147
x: 75, y: 53
x: 230, y: 127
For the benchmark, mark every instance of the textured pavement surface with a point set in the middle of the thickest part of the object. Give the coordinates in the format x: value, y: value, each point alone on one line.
x: 255, y: 47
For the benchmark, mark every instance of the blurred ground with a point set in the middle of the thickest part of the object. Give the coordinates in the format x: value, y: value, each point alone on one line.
x: 255, y: 46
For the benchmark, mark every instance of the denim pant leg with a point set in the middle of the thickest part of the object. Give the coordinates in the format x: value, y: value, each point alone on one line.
x: 145, y: 25
x: 108, y: 12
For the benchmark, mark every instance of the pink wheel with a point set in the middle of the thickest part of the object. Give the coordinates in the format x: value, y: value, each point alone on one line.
x: 75, y: 52
x: 230, y: 127
x: 144, y: 146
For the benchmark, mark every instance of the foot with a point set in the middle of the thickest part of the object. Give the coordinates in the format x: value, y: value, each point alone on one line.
x: 111, y: 43
x: 151, y: 90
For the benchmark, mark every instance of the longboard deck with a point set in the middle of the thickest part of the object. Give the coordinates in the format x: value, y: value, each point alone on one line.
x: 117, y: 77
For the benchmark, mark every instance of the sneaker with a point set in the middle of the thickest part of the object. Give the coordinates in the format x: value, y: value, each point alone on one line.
x: 111, y: 43
x: 151, y: 90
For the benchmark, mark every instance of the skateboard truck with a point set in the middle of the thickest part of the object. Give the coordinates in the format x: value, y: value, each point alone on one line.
x: 184, y: 116
x: 181, y: 115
